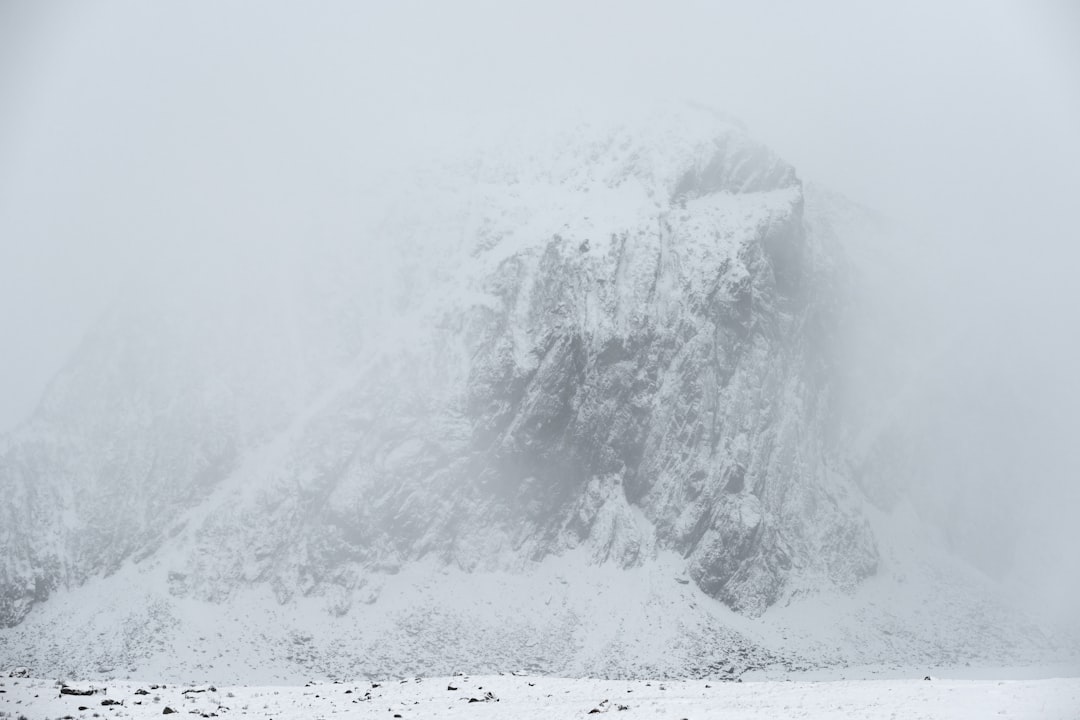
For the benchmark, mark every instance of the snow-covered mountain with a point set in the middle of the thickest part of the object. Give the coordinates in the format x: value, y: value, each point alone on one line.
x: 580, y: 372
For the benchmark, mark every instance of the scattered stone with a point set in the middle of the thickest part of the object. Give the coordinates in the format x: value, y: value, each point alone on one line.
x: 167, y: 711
x: 80, y: 691
x: 451, y: 687
x: 110, y: 701
x: 488, y: 697
x: 141, y: 691
x: 19, y: 672
x: 601, y: 708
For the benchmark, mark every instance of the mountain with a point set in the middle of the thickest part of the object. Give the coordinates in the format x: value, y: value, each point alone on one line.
x: 565, y: 401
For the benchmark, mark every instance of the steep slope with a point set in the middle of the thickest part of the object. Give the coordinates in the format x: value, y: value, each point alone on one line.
x: 611, y: 346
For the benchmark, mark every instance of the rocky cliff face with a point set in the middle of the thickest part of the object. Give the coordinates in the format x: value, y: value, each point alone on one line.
x: 619, y: 339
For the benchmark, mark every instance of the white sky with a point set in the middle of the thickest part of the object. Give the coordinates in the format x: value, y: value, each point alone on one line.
x: 132, y: 132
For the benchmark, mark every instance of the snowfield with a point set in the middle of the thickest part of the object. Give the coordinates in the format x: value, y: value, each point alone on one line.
x: 521, y: 698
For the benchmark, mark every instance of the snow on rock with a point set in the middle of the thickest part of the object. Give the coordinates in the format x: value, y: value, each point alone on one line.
x: 608, y: 340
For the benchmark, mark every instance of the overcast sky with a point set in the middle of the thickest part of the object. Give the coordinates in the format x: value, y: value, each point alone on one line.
x: 132, y: 132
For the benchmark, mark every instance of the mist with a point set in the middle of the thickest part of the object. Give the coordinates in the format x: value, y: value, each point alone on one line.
x: 142, y: 145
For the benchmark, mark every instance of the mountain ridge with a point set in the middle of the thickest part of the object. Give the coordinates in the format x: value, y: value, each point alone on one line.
x: 610, y: 341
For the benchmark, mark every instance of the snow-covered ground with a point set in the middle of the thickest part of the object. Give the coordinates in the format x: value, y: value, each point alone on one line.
x: 566, y: 617
x: 509, y: 696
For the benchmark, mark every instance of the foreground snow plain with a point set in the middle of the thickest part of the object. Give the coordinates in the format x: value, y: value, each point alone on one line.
x: 522, y: 698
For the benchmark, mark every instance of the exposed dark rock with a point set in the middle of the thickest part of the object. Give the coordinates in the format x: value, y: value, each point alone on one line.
x: 77, y: 691
x: 488, y: 697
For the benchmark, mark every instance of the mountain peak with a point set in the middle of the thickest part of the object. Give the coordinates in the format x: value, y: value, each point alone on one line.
x: 604, y: 344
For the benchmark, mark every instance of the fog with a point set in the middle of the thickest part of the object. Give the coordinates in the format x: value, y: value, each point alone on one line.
x: 136, y: 138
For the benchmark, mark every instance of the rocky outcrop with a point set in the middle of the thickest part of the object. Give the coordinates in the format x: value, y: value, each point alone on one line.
x: 630, y: 351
